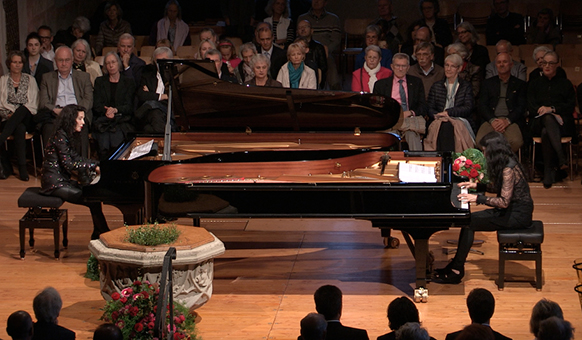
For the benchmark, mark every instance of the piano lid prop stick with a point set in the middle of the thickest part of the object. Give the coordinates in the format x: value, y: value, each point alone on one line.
x: 167, y: 156
x: 384, y: 160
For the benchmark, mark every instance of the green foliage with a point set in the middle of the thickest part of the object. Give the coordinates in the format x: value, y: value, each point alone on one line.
x: 152, y: 234
x: 92, y: 269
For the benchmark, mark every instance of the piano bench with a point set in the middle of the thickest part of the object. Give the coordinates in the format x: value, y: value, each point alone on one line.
x: 521, y: 245
x: 43, y: 213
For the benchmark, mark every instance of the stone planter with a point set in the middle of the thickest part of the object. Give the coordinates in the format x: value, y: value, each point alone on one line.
x: 121, y: 263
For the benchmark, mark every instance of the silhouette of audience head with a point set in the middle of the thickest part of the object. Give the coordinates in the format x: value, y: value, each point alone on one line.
x: 328, y: 302
x: 542, y: 310
x: 476, y: 331
x: 313, y: 327
x: 19, y: 325
x: 107, y: 331
x: 412, y: 331
x: 554, y: 328
x: 481, y: 305
x: 400, y: 311
x: 47, y: 305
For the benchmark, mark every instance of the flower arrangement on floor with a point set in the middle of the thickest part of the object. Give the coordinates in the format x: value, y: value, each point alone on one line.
x: 134, y: 312
x: 471, y: 164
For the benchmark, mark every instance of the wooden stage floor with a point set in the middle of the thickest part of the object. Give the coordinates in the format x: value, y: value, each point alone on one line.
x: 264, y: 282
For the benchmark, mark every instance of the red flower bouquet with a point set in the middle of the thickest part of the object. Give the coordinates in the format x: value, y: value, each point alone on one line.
x: 471, y: 164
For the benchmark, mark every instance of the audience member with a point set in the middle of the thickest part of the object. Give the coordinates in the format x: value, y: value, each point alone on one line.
x: 554, y: 328
x: 132, y: 64
x: 18, y: 102
x: 503, y: 24
x: 274, y: 53
x: 112, y: 28
x: 78, y: 30
x: 61, y: 88
x: 512, y: 208
x: 171, y: 27
x: 37, y: 65
x: 409, y: 92
x: 47, y: 304
x: 208, y: 34
x: 364, y: 78
x: 313, y: 327
x: 411, y: 331
x: 205, y: 46
x: 283, y: 32
x: 260, y: 65
x: 221, y: 68
x: 422, y: 35
x: 19, y: 326
x: 426, y: 69
x: 112, y: 106
x: 391, y: 29
x: 543, y: 30
x: 481, y: 306
x: 518, y: 69
x: 371, y: 38
x: 316, y: 51
x: 541, y: 311
x: 229, y: 57
x: 440, y: 31
x: 294, y: 73
x: 107, y: 331
x: 410, y: 42
x: 400, y: 312
x: 502, y: 104
x: 450, y: 103
x: 244, y: 72
x: 468, y: 71
x: 83, y: 61
x: 538, y: 56
x: 476, y: 332
x: 164, y: 43
x: 238, y: 16
x: 477, y: 54
x: 327, y: 31
x: 551, y: 101
x: 328, y: 302
x: 46, y: 38
x: 309, y: 62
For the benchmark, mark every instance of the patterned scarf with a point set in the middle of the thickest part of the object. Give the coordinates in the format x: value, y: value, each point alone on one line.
x: 294, y: 75
x: 19, y: 97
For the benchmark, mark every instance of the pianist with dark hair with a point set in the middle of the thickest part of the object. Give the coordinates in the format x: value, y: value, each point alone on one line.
x: 61, y: 162
x: 512, y: 207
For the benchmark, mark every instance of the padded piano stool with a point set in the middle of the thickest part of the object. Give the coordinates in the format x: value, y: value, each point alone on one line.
x: 43, y: 213
x: 521, y: 245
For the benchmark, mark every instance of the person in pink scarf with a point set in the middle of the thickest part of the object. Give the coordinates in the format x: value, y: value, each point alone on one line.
x: 171, y: 27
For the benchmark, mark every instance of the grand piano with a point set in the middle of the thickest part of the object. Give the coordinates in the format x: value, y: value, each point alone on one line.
x: 268, y: 152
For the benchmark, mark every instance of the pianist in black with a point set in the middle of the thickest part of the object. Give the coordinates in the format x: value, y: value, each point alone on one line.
x: 512, y: 207
x: 61, y: 162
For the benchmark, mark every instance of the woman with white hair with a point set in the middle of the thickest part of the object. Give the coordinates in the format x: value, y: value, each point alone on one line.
x: 469, y: 71
x: 364, y: 78
x: 450, y: 103
x: 260, y: 65
x: 47, y: 306
x: 294, y: 73
x: 538, y: 56
x: 171, y: 27
x: 82, y: 60
x: 468, y: 36
x: 278, y: 11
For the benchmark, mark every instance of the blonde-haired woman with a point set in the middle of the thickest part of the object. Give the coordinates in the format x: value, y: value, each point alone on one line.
x: 294, y: 73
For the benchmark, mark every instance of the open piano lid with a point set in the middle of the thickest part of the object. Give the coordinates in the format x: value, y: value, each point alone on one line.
x: 203, y: 102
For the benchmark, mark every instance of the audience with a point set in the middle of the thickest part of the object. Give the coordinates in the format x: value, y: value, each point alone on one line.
x: 208, y: 34
x: 401, y: 311
x: 422, y: 35
x: 171, y: 27
x: 411, y: 331
x: 425, y: 68
x: 278, y: 11
x: 37, y: 65
x: 441, y: 33
x: 46, y: 38
x: 244, y: 72
x: 107, y: 331
x: 112, y: 28
x: 543, y: 30
x: 294, y: 73
x: 47, y: 306
x: 229, y: 57
x: 364, y: 78
x: 19, y: 326
x: 313, y: 327
x: 205, y: 46
x: 476, y: 54
x: 275, y: 54
x: 260, y: 65
x: 371, y: 38
x: 476, y: 332
x: 390, y: 27
x: 541, y: 311
x: 78, y: 30
x: 132, y: 65
x: 328, y: 302
x: 538, y: 56
x: 503, y: 24
x: 316, y: 51
x: 221, y: 68
x: 309, y: 62
x: 554, y: 328
x: 468, y: 71
x: 82, y: 60
x: 518, y: 69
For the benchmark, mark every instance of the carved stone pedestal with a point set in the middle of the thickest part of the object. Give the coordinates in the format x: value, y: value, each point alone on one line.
x: 121, y: 263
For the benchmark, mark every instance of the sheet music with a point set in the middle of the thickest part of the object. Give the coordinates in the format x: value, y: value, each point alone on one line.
x: 413, y: 173
x: 141, y: 150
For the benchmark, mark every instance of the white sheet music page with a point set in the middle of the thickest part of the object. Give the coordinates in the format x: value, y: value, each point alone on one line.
x: 141, y: 150
x: 413, y: 173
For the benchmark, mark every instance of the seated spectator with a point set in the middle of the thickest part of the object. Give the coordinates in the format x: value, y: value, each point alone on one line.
x: 18, y: 103
x: 440, y: 31
x: 47, y: 306
x: 476, y: 331
x: 538, y: 56
x: 450, y: 103
x: 551, y: 101
x: 364, y: 78
x: 411, y: 331
x: 390, y: 27
x: 476, y: 54
x: 37, y: 65
x: 518, y: 69
x: 132, y: 64
x: 107, y: 331
x: 503, y: 24
x: 205, y: 46
x: 541, y: 311
x: 46, y: 38
x: 294, y: 73
x: 171, y: 27
x: 313, y: 327
x: 78, y: 30
x: 502, y: 104
x: 164, y: 43
x: 315, y: 50
x: 328, y: 302
x: 19, y: 326
x: 83, y: 61
x: 554, y: 328
x: 468, y: 71
x: 371, y: 38
x: 112, y: 106
x: 244, y: 72
x: 309, y: 62
x: 276, y: 54
x: 409, y: 44
x: 400, y: 312
x: 425, y: 68
x: 208, y: 34
x: 543, y: 30
x: 481, y: 306
x: 221, y: 68
x: 422, y: 35
x: 283, y: 32
x: 260, y: 65
x: 112, y: 28
x: 229, y: 57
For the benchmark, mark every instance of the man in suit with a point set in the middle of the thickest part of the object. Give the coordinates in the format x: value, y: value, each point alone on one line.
x: 328, y: 302
x: 274, y: 53
x: 19, y: 326
x: 502, y: 103
x: 61, y: 88
x: 37, y: 65
x: 481, y: 305
x: 409, y: 92
x: 132, y: 65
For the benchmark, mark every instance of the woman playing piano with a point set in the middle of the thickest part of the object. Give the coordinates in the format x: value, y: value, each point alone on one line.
x: 61, y: 161
x: 512, y: 207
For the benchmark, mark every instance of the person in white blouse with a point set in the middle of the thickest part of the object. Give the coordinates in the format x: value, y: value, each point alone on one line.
x: 294, y: 73
x: 278, y: 11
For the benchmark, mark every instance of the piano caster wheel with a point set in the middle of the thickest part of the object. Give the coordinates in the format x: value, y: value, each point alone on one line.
x: 391, y: 242
x: 421, y: 295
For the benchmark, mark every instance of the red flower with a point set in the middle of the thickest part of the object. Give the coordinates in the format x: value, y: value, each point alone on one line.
x: 456, y: 167
x: 145, y: 294
x: 115, y: 296
x: 468, y: 162
x: 474, y: 173
x: 464, y: 173
x: 477, y: 167
x: 114, y: 316
x: 182, y: 318
x: 151, y: 325
x: 133, y: 311
x: 138, y: 327
x: 137, y: 283
x: 123, y: 299
x: 178, y: 336
x: 177, y: 320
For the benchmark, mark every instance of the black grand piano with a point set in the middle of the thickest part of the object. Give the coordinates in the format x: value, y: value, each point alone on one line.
x: 266, y: 152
